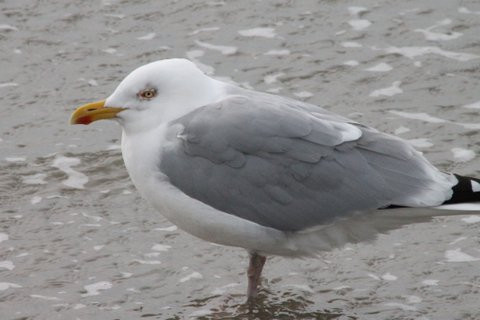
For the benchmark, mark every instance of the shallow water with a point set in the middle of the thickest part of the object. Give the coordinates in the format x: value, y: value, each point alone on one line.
x: 77, y: 242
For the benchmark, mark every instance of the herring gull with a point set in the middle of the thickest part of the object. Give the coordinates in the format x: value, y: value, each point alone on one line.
x: 267, y: 173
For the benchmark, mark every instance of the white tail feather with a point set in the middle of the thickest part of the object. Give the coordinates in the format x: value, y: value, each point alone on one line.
x: 474, y: 206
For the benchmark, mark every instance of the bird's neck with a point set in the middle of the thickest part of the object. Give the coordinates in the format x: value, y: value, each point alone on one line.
x: 141, y: 153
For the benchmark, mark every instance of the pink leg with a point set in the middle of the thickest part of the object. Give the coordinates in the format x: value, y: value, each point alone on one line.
x: 254, y: 271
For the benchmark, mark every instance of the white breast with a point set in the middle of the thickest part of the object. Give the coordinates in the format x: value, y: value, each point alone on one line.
x: 142, y: 155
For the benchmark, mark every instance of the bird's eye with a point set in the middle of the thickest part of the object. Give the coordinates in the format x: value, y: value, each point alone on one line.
x: 147, y: 94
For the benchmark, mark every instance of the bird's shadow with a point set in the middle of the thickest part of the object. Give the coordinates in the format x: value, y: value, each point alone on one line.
x: 267, y: 305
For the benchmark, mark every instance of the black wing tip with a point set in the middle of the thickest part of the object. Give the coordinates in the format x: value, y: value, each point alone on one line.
x: 464, y: 190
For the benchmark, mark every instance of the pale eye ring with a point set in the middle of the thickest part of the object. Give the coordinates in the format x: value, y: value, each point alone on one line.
x: 147, y: 94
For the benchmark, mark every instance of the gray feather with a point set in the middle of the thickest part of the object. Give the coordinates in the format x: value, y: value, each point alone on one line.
x: 291, y: 166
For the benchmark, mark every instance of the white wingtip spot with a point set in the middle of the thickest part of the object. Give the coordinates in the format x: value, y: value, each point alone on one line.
x: 475, y: 186
x: 349, y: 132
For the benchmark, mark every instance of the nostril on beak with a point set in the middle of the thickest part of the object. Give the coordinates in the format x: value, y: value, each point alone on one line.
x: 92, y: 109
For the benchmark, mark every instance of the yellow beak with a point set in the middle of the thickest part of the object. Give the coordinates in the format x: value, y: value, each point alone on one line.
x: 92, y: 112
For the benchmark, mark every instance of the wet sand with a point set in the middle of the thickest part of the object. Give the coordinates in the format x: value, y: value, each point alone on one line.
x: 76, y: 240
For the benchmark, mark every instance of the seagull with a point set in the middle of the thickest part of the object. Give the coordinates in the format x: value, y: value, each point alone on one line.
x: 266, y: 173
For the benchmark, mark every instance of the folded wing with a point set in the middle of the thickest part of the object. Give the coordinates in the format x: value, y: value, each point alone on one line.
x: 292, y: 166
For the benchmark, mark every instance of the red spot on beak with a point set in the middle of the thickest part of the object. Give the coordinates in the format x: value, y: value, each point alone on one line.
x: 84, y: 120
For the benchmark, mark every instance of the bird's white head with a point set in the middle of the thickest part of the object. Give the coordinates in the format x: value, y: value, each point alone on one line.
x: 153, y: 94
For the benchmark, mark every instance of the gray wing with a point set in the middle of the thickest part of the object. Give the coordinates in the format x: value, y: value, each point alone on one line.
x: 291, y: 166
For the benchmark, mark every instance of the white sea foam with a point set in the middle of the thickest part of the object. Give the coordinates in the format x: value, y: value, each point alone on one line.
x: 169, y: 229
x: 94, y: 288
x: 342, y: 287
x: 148, y: 36
x: 113, y: 147
x: 303, y: 94
x: 471, y: 219
x: 93, y: 82
x: 412, y: 52
x: 350, y: 44
x: 467, y: 11
x: 91, y: 225
x: 79, y: 306
x: 164, y: 48
x: 35, y: 179
x: 95, y: 218
x: 397, y: 305
x: 193, y: 275
x: 7, y: 285
x: 381, y: 67
x: 389, y: 277
x: 8, y: 84
x: 7, y: 264
x: 35, y: 199
x: 277, y: 52
x: 373, y: 276
x: 274, y: 90
x: 471, y: 126
x: 272, y: 78
x: 428, y: 118
x: 15, y: 159
x: 226, y: 50
x: 7, y: 27
x: 193, y: 55
x: 154, y: 262
x: 110, y: 50
x: 462, y: 155
x: 437, y: 36
x: 359, y: 24
x: 351, y: 63
x: 394, y: 89
x: 473, y: 105
x: 161, y: 247
x: 115, y: 15
x: 418, y: 116
x: 420, y: 143
x: 258, y: 32
x: 225, y: 288
x: 355, y: 11
x: 458, y: 239
x: 126, y: 274
x: 200, y: 313
x: 49, y: 298
x: 457, y: 255
x: 401, y: 130
x: 412, y: 299
x: 216, y: 3
x: 209, y: 29
x: 430, y: 282
x: 3, y: 237
x: 303, y: 287
x: 75, y: 179
x: 152, y: 254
